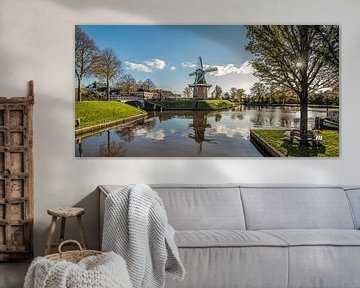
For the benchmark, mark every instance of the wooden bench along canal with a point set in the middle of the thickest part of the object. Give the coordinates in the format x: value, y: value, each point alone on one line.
x: 315, y: 139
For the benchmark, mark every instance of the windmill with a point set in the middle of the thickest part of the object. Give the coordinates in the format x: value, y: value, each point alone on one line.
x: 200, y: 87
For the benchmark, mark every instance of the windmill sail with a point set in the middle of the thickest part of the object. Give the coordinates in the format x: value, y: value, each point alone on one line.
x: 200, y: 63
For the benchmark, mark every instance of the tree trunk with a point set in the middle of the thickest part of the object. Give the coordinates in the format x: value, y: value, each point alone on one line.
x: 303, y: 113
x: 304, y: 56
x: 107, y: 90
x: 79, y: 90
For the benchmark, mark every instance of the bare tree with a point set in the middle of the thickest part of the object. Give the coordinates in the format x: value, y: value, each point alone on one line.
x: 127, y: 83
x: 302, y: 58
x: 148, y: 85
x: 108, y: 67
x: 187, y: 92
x: 85, y: 55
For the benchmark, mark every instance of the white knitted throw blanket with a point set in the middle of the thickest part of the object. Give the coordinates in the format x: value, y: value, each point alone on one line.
x: 104, y: 271
x: 136, y: 227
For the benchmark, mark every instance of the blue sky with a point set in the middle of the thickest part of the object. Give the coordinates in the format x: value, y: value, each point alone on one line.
x: 166, y: 54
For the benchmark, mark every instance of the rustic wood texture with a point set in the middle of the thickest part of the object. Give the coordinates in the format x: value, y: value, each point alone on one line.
x: 63, y: 213
x: 16, y: 177
x: 66, y: 211
x: 51, y: 235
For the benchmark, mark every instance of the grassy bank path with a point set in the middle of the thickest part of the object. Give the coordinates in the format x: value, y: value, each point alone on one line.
x: 93, y: 113
x: 276, y: 138
x: 193, y: 104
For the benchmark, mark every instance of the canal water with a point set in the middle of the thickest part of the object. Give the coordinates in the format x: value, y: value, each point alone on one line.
x: 192, y: 133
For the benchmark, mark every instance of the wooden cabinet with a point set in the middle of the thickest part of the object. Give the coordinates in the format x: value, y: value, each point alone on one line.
x: 16, y: 177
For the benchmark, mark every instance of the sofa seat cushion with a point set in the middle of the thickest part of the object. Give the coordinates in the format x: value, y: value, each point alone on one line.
x: 225, y: 238
x: 317, y: 237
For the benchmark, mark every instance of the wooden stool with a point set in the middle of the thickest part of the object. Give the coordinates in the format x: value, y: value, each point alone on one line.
x: 64, y: 213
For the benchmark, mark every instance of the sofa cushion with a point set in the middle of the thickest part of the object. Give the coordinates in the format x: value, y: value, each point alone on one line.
x: 226, y: 238
x: 317, y: 237
x: 322, y: 258
x: 354, y: 198
x: 218, y: 267
x: 296, y: 208
x: 324, y: 266
x: 191, y: 207
x: 203, y: 208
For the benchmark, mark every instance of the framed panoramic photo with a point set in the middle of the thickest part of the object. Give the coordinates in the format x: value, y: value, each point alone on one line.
x: 206, y: 91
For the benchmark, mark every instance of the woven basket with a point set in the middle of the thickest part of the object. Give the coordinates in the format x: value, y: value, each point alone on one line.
x: 72, y: 256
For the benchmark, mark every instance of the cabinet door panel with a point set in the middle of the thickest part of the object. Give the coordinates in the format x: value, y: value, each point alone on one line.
x: 16, y: 183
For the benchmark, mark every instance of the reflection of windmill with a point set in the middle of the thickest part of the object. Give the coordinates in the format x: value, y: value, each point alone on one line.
x: 200, y: 87
x: 200, y: 125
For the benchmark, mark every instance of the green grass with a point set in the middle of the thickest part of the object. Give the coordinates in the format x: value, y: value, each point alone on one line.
x: 328, y: 148
x: 194, y: 104
x: 92, y: 113
x: 291, y: 105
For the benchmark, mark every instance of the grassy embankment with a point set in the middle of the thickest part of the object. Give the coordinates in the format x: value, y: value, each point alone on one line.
x: 92, y: 113
x: 276, y: 138
x: 291, y: 105
x: 193, y: 104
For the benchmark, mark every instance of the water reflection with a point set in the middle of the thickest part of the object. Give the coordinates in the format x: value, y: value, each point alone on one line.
x: 140, y: 128
x: 199, y: 125
x: 192, y: 133
x: 110, y: 148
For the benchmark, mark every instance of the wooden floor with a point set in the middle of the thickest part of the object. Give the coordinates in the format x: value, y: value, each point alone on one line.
x: 12, y: 274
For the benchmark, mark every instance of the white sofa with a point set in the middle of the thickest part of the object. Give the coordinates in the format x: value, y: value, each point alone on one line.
x: 263, y: 236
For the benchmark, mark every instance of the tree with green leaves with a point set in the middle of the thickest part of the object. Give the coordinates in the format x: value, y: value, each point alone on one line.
x: 237, y: 94
x: 258, y: 91
x: 302, y: 58
x: 232, y: 92
x: 217, y: 92
x: 86, y: 53
x: 108, y: 67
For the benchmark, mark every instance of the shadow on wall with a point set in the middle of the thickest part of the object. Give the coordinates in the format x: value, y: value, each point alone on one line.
x: 8, y: 72
x: 158, y: 11
x: 160, y: 14
x: 91, y: 222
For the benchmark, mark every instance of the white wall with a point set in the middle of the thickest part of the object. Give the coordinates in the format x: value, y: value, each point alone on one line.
x: 37, y: 40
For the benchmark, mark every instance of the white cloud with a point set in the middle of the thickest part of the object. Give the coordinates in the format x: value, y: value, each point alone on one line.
x: 172, y: 68
x: 188, y: 65
x: 156, y: 135
x: 156, y: 63
x: 138, y: 67
x: 146, y: 66
x: 229, y: 132
x: 244, y: 68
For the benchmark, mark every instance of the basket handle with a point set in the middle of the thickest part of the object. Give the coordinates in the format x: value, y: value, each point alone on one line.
x: 69, y: 241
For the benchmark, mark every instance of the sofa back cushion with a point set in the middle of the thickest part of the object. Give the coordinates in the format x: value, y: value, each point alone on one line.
x: 203, y: 207
x: 296, y: 208
x: 354, y: 198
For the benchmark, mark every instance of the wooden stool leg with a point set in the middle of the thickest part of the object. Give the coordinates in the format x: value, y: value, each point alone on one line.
x: 51, y: 235
x: 82, y: 232
x: 62, y: 231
